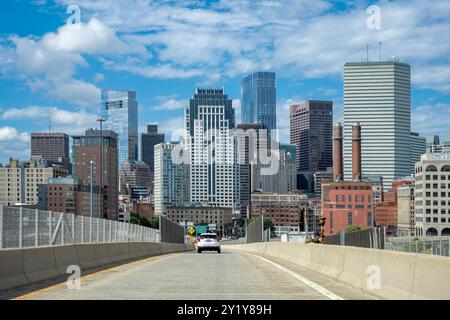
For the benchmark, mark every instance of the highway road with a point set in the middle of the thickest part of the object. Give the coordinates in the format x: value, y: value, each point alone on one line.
x: 207, y: 276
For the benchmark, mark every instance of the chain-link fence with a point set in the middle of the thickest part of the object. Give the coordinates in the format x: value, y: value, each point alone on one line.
x: 437, y: 245
x: 22, y: 227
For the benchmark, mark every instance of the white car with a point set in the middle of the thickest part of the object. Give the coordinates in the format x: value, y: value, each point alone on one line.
x: 208, y: 242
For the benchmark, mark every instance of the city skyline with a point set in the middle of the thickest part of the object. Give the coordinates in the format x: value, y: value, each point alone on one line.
x: 72, y: 104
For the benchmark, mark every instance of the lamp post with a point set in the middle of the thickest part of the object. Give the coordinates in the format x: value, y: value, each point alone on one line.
x: 100, y: 120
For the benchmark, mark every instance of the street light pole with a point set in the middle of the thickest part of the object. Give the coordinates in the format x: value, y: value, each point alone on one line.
x: 91, y: 199
x: 101, y: 120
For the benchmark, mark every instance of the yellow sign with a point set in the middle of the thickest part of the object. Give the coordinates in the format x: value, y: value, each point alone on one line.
x: 191, y: 230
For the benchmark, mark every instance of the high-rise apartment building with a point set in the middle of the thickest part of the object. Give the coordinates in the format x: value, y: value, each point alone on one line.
x: 87, y: 148
x: 259, y: 98
x: 119, y: 109
x: 312, y: 131
x: 378, y: 96
x: 171, y: 178
x: 148, y: 142
x: 19, y: 180
x: 214, y: 172
x: 53, y: 147
x: 432, y: 195
x: 418, y: 147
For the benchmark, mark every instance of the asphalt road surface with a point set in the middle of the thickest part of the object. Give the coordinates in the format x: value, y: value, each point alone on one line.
x: 231, y: 275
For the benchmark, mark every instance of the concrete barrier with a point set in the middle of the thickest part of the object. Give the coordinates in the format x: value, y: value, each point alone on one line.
x: 20, y: 267
x: 12, y: 271
x: 65, y: 256
x: 386, y: 274
x: 39, y: 264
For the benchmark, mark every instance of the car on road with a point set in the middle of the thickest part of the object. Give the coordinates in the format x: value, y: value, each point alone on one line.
x: 208, y: 242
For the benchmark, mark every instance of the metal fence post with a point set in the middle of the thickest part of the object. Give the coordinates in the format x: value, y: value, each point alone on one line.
x: 90, y: 229
x: 73, y: 229
x: 50, y: 228
x: 110, y: 231
x: 1, y: 227
x: 104, y: 231
x: 98, y: 228
x: 20, y: 226
x: 82, y: 229
x: 36, y: 227
x: 115, y: 231
x: 62, y: 228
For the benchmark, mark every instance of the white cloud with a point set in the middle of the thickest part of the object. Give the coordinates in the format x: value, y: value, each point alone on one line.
x: 170, y: 104
x: 11, y: 134
x: 70, y: 122
x: 13, y: 144
x: 430, y: 119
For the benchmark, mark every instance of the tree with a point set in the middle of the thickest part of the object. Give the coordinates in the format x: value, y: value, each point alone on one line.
x: 143, y: 221
x: 354, y: 227
x: 268, y: 224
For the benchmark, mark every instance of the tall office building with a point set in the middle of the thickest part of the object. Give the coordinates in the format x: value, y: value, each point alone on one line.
x: 378, y: 96
x: 87, y: 148
x: 119, y: 108
x: 312, y: 133
x: 148, y: 142
x: 171, y: 179
x: 53, y: 147
x: 214, y: 172
x: 248, y: 149
x: 134, y: 174
x: 418, y: 147
x: 259, y: 99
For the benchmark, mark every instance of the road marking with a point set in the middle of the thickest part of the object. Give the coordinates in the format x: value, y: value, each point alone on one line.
x: 63, y: 284
x: 306, y: 281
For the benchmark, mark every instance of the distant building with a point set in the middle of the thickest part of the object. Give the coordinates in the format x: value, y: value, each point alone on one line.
x: 53, y: 147
x: 437, y: 145
x: 258, y: 99
x: 148, y: 142
x: 378, y: 96
x: 406, y: 209
x: 198, y: 215
x: 214, y: 171
x: 432, y: 195
x: 119, y: 108
x: 386, y: 211
x: 285, y: 179
x: 418, y: 147
x: 172, y: 188
x: 284, y: 210
x: 19, y: 180
x: 63, y: 195
x: 347, y: 203
x: 134, y: 174
x: 87, y: 148
x: 321, y: 177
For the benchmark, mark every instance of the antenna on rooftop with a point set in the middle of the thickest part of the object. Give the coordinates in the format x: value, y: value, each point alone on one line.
x: 367, y: 52
x: 49, y: 124
x: 380, y: 50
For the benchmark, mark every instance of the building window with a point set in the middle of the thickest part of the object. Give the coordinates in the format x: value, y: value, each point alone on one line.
x: 350, y: 218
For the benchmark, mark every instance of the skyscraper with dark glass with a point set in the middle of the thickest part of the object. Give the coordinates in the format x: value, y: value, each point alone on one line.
x: 311, y: 132
x: 148, y: 142
x: 258, y: 99
x: 119, y: 108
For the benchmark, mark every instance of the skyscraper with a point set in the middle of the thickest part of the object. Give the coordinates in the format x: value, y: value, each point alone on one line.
x: 312, y: 133
x: 87, y: 148
x: 148, y: 142
x: 119, y: 108
x: 53, y: 147
x: 378, y: 96
x: 258, y: 99
x: 214, y: 172
x: 417, y: 149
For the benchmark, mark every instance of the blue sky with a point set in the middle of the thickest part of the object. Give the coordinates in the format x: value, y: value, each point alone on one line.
x: 165, y: 49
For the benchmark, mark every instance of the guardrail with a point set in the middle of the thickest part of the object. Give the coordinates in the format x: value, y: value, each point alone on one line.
x: 24, y: 228
x: 436, y: 246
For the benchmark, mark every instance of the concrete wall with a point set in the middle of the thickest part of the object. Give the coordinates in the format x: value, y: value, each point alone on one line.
x: 401, y: 275
x: 19, y: 267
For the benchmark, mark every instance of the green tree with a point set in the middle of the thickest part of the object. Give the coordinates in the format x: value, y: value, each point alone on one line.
x: 354, y: 227
x: 143, y: 221
x: 268, y: 224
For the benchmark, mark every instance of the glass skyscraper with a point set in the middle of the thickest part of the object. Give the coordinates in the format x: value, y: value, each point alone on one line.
x: 119, y: 108
x: 258, y: 99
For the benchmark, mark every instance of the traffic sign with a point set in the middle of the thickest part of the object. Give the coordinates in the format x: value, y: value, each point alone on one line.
x: 191, y: 230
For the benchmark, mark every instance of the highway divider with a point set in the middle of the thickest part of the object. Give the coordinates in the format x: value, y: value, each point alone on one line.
x: 20, y: 267
x: 386, y: 274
